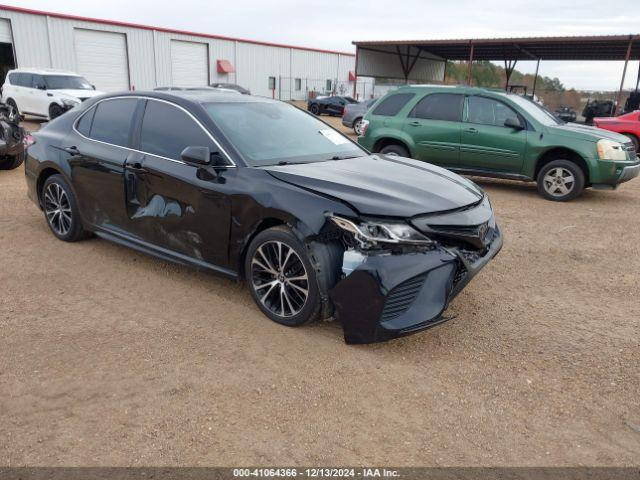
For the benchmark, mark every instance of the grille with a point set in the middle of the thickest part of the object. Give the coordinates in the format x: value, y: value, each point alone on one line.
x: 401, y: 297
x: 629, y: 147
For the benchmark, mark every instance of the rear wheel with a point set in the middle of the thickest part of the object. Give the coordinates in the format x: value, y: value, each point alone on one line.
x: 61, y: 209
x: 357, y: 126
x: 315, y: 109
x: 634, y: 140
x: 395, y: 150
x: 560, y: 180
x: 281, y: 278
x: 55, y: 111
x: 11, y: 162
x: 12, y: 103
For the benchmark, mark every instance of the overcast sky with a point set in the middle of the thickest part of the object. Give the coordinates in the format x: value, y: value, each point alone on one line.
x: 334, y: 24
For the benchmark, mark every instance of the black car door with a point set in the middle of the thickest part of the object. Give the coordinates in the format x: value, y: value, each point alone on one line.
x: 96, y: 151
x: 171, y: 204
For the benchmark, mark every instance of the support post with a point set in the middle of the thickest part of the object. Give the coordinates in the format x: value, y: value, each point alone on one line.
x: 470, y: 63
x: 444, y: 73
x: 535, y: 80
x: 638, y: 80
x: 355, y: 74
x: 624, y: 74
x: 509, y: 67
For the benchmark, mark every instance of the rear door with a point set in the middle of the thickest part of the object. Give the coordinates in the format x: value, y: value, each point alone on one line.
x: 96, y: 151
x: 171, y: 204
x: 486, y: 143
x: 40, y: 98
x: 24, y: 95
x: 434, y: 125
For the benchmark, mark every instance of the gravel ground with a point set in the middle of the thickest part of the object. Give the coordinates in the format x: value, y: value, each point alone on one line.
x: 110, y: 357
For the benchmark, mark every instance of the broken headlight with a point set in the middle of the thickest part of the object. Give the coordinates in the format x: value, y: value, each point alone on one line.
x: 368, y: 232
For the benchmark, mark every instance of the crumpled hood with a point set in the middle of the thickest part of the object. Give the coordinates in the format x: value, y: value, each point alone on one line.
x: 78, y: 93
x: 586, y: 132
x: 380, y: 185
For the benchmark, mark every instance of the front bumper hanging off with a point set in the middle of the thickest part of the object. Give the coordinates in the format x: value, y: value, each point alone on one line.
x: 389, y: 296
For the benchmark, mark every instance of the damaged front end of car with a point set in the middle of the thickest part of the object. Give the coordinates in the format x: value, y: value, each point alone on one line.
x: 398, y: 276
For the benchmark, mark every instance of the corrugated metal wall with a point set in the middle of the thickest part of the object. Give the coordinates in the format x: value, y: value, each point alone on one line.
x: 47, y: 42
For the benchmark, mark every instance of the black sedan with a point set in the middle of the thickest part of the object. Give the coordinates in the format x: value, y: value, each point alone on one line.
x: 261, y: 191
x: 330, y: 105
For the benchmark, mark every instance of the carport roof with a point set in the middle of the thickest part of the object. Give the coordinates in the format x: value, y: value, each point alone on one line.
x: 607, y: 47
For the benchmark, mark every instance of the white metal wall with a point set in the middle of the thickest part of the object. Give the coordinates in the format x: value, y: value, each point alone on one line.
x: 48, y: 42
x: 5, y: 31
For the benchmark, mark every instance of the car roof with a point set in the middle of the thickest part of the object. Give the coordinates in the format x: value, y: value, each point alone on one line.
x: 194, y: 96
x: 460, y: 89
x: 44, y: 71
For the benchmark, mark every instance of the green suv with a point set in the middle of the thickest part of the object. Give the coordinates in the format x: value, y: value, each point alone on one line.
x: 492, y: 133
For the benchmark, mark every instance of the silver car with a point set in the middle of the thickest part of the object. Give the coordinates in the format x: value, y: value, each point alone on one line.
x: 354, y: 112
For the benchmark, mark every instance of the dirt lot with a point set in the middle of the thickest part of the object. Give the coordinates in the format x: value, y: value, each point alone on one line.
x: 110, y: 357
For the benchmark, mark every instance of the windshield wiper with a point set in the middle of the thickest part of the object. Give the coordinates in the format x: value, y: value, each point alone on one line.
x: 344, y: 157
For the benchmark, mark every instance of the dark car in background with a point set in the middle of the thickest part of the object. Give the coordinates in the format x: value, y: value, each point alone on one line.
x: 354, y: 113
x: 333, y: 105
x: 232, y: 86
x: 259, y: 190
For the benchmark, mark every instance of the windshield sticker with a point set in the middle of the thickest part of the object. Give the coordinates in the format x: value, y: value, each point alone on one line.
x: 334, y: 137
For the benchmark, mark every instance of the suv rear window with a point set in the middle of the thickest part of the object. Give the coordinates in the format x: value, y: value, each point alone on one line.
x: 391, y: 105
x: 439, y: 106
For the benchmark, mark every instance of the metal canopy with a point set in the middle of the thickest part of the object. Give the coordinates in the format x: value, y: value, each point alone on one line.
x: 608, y: 47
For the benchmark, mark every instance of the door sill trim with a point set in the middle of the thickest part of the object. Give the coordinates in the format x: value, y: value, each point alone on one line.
x: 160, y: 252
x: 485, y: 173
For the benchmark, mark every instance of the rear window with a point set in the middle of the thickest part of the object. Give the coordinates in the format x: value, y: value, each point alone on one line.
x: 391, y: 105
x: 112, y: 121
x: 439, y: 106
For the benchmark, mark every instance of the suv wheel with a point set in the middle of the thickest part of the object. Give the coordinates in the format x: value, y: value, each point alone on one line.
x: 560, y: 180
x: 12, y: 103
x: 281, y: 279
x: 61, y: 209
x: 357, y: 126
x: 315, y: 109
x: 55, y: 111
x: 395, y: 150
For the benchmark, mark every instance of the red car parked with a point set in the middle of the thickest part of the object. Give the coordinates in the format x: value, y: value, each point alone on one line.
x: 627, y: 124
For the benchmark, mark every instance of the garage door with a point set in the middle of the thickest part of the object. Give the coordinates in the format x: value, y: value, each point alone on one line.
x: 101, y: 57
x: 5, y: 31
x: 189, y: 64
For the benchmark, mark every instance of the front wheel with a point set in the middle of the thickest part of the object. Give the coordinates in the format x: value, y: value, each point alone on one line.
x: 55, y: 111
x: 281, y: 278
x: 61, y: 209
x: 357, y: 126
x: 315, y: 109
x: 560, y: 181
x: 395, y: 150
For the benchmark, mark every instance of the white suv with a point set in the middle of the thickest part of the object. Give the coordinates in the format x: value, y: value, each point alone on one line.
x: 45, y: 93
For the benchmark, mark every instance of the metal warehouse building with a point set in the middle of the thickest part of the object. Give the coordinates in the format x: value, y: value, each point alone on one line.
x: 121, y: 56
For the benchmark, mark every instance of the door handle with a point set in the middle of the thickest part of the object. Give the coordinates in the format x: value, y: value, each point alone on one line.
x: 414, y: 124
x: 73, y: 151
x: 472, y: 130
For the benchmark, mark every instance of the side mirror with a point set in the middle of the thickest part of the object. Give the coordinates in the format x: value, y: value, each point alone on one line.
x: 41, y: 87
x: 196, y: 155
x: 513, y: 122
x: 93, y: 86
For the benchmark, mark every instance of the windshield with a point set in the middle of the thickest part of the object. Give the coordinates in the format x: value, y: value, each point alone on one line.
x: 66, y: 82
x: 273, y: 133
x: 537, y: 111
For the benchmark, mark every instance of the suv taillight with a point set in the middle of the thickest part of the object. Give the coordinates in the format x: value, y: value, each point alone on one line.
x: 364, y: 125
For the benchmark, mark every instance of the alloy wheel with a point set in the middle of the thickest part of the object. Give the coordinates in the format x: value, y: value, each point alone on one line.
x: 57, y: 208
x: 559, y: 182
x: 357, y: 127
x: 279, y: 278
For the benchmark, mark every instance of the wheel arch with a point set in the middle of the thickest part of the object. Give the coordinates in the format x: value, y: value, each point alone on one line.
x: 45, y: 173
x: 562, y: 153
x: 386, y: 141
x: 263, y: 225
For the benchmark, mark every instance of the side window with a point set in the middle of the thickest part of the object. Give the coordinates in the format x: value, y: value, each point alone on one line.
x: 439, y: 106
x: 13, y: 78
x: 27, y: 80
x: 391, y: 105
x: 112, y: 121
x: 84, y: 125
x: 486, y: 111
x: 37, y: 81
x: 169, y: 139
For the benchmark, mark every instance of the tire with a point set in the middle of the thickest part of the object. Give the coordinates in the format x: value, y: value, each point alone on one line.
x: 12, y: 103
x: 560, y: 180
x: 11, y: 162
x: 57, y: 196
x: 395, y: 150
x: 280, y: 298
x: 55, y: 111
x: 315, y: 109
x: 357, y: 126
x: 634, y: 140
